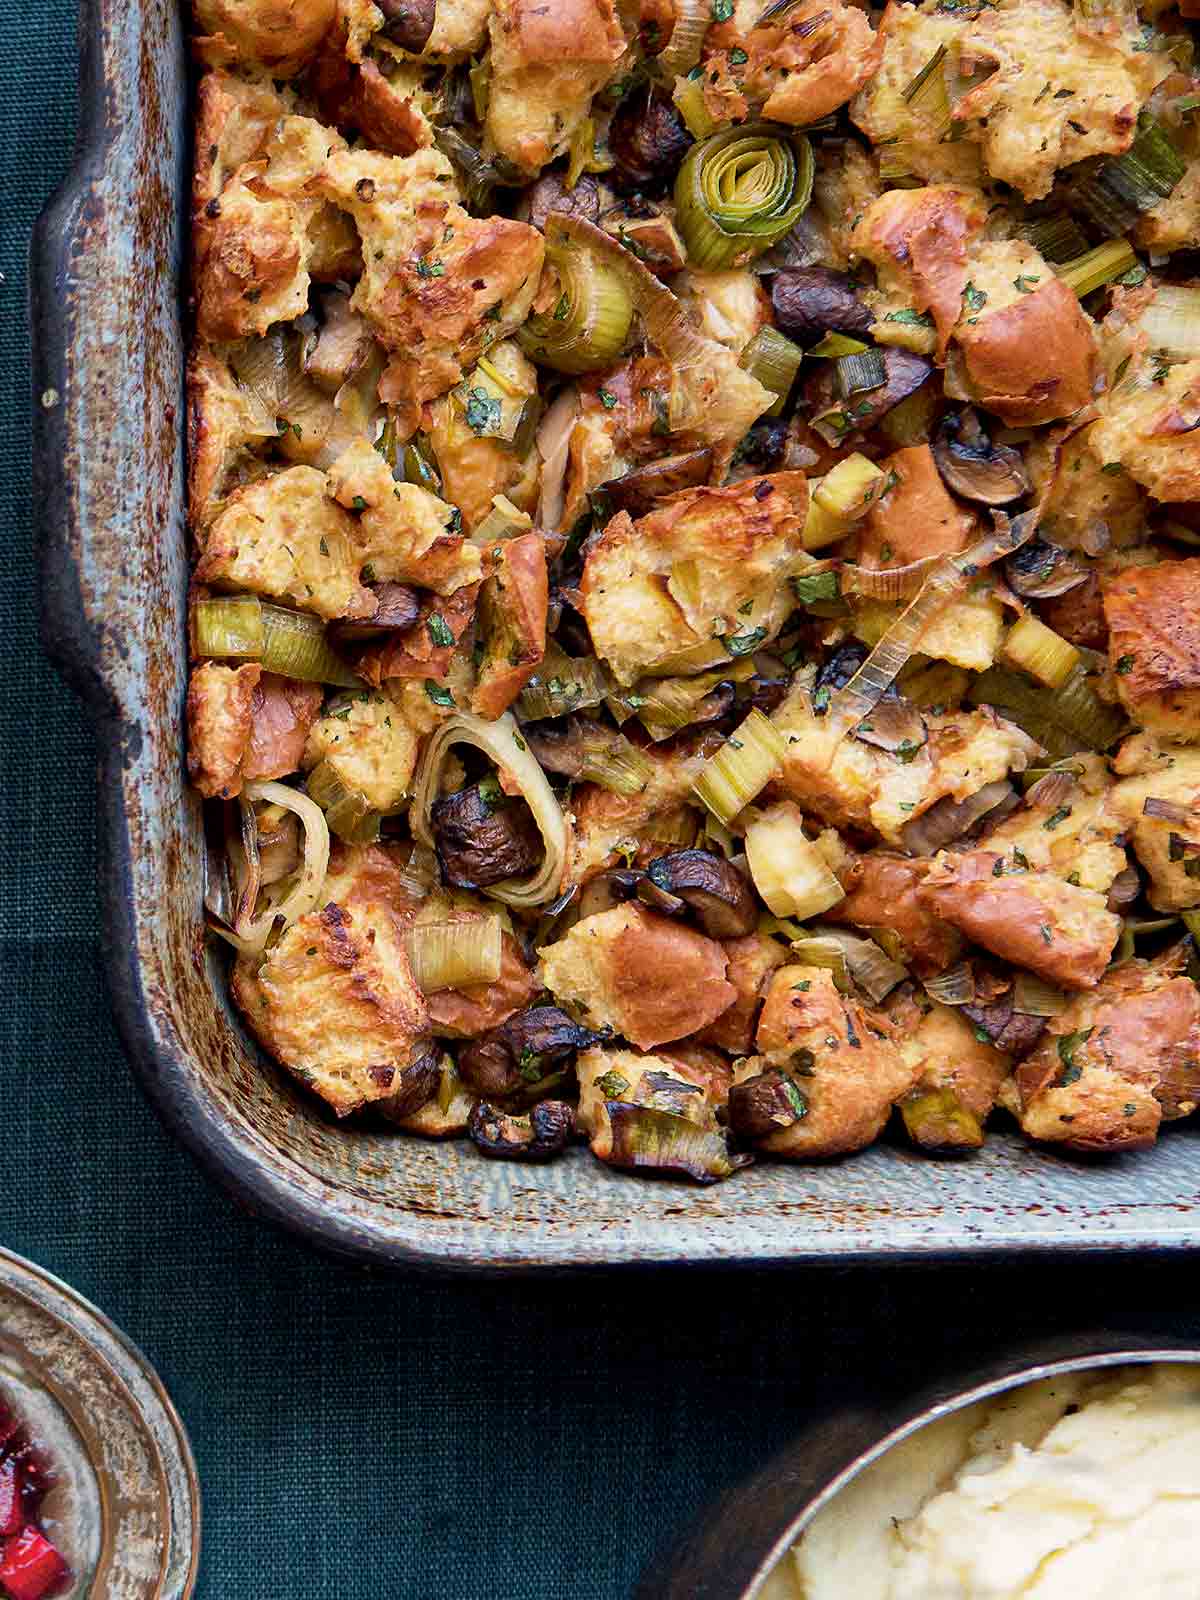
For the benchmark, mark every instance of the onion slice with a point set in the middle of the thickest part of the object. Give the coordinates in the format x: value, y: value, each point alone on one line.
x: 682, y: 52
x: 250, y: 933
x: 954, y: 987
x: 1171, y: 811
x: 501, y: 741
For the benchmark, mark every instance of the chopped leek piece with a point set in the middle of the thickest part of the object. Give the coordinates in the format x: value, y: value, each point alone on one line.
x: 1126, y: 185
x: 911, y: 422
x: 347, y: 811
x: 588, y: 324
x: 689, y: 97
x: 789, y: 872
x: 1191, y: 921
x: 418, y: 467
x: 838, y: 344
x: 503, y: 521
x: 1064, y: 721
x: 664, y: 705
x: 741, y: 769
x: 874, y: 972
x: 1095, y: 268
x: 895, y: 166
x: 1080, y: 710
x: 1171, y: 322
x: 451, y: 955
x: 955, y: 987
x: 913, y: 91
x: 845, y: 494
x: 228, y: 627
x: 936, y: 1119
x: 738, y: 192
x: 1041, y: 652
x: 584, y: 156
x: 295, y: 646
x: 774, y: 361
x: 1036, y: 998
x: 562, y: 684
x: 827, y: 953
x: 857, y: 373
x: 616, y: 765
x: 1059, y: 239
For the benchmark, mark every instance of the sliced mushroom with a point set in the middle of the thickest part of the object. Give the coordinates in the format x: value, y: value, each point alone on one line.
x: 1124, y: 889
x: 550, y: 194
x: 414, y: 1087
x: 1015, y: 1032
x: 648, y: 140
x: 544, y: 1133
x: 765, y: 446
x: 1042, y: 571
x: 811, y: 301
x: 608, y: 889
x: 483, y: 836
x: 639, y: 490
x: 408, y: 23
x: 836, y: 671
x: 712, y: 889
x: 764, y: 1104
x: 951, y: 819
x: 894, y: 725
x: 975, y: 468
x: 398, y: 608
x: 649, y: 893
x: 657, y: 1141
x: 521, y: 1054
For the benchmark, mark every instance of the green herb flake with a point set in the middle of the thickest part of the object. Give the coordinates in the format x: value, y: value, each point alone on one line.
x: 1022, y: 282
x: 1112, y: 468
x: 812, y: 587
x: 358, y: 503
x: 741, y: 644
x: 1068, y: 1043
x: 439, y: 630
x: 483, y: 411
x: 1055, y: 817
x: 974, y: 299
x: 438, y: 693
x: 722, y: 10
x: 913, y: 319
x: 982, y: 1035
x: 738, y: 57
x: 607, y: 398
x: 612, y: 1085
x: 1124, y: 664
x: 563, y: 308
x: 1046, y: 932
x: 804, y: 985
x: 429, y: 269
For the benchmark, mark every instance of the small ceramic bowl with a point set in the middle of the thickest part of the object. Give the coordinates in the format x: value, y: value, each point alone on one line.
x: 124, y: 1507
x: 739, y: 1543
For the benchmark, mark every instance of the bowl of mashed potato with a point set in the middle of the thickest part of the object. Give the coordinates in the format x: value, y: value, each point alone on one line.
x: 1076, y: 1479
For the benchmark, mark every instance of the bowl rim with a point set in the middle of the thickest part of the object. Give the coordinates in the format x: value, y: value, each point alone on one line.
x: 734, y: 1547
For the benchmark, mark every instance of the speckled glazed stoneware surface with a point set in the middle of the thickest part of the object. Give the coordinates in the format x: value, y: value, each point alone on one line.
x: 124, y: 1508
x: 736, y: 1545
x: 108, y: 396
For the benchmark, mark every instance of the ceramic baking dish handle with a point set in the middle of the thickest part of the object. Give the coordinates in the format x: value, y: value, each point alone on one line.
x: 101, y: 336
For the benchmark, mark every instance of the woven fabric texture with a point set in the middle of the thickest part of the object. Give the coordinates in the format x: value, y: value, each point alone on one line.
x: 370, y: 1438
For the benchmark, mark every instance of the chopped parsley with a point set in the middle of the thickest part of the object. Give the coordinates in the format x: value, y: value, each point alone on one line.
x: 439, y: 630
x: 429, y: 269
x: 722, y: 10
x: 1124, y: 664
x: 1055, y: 817
x: 612, y: 1085
x: 810, y: 587
x: 915, y: 319
x: 741, y: 644
x: 738, y: 57
x: 1067, y: 1045
x: 438, y: 693
x: 1022, y: 283
x: 1112, y: 468
x: 483, y: 411
x: 607, y: 398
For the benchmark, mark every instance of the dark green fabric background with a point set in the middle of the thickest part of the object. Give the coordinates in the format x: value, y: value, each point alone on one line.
x: 367, y: 1437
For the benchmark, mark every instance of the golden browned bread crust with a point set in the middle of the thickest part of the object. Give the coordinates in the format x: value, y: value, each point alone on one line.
x: 1153, y: 616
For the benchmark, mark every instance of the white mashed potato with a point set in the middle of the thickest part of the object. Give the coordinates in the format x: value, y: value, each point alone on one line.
x: 1080, y: 1489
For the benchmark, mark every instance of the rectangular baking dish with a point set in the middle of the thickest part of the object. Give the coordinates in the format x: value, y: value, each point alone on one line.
x: 108, y: 490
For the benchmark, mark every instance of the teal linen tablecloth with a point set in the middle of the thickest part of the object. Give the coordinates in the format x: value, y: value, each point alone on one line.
x: 359, y: 1437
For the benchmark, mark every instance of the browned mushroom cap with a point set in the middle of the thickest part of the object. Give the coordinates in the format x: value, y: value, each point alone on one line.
x: 648, y: 140
x: 608, y: 889
x: 811, y: 301
x: 408, y: 23
x: 951, y: 819
x: 398, y: 608
x: 483, y: 836
x: 1015, y: 1032
x: 975, y: 468
x: 764, y: 1104
x: 550, y: 194
x: 714, y: 890
x: 517, y: 1057
x: 416, y: 1085
x: 637, y: 491
x: 1042, y: 571
x: 541, y: 1135
x: 894, y: 725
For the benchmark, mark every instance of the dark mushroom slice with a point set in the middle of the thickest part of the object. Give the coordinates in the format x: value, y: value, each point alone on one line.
x: 540, y: 1136
x: 523, y: 1052
x: 415, y: 1086
x: 811, y: 301
x: 397, y: 610
x: 550, y: 194
x: 408, y: 23
x: 765, y: 446
x: 836, y: 671
x: 608, y: 889
x: 1040, y: 570
x: 1015, y: 1032
x: 716, y: 893
x: 647, y: 139
x: 651, y: 1141
x: 764, y: 1104
x: 638, y: 491
x: 658, y: 899
x: 894, y: 725
x: 975, y: 468
x: 483, y: 836
x: 1124, y: 889
x: 951, y: 819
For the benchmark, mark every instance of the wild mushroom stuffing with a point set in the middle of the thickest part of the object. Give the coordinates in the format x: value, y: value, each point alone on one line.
x: 696, y: 611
